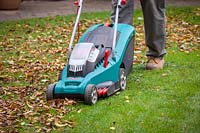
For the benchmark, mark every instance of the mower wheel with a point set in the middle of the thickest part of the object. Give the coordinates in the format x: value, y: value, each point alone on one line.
x: 122, y: 79
x: 60, y: 76
x: 91, y: 95
x: 50, y: 91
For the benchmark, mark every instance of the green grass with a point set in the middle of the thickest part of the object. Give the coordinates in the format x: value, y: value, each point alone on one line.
x: 159, y: 101
x: 188, y: 14
x: 32, y: 51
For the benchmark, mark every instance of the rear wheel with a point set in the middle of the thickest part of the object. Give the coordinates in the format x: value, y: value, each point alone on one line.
x: 122, y: 79
x: 50, y: 91
x: 91, y: 95
x: 60, y: 76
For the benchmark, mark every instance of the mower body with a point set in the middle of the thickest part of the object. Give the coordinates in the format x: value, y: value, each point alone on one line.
x: 88, y: 67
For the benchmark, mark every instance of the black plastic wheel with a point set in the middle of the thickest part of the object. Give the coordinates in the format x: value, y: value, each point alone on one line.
x: 122, y: 79
x: 60, y: 76
x: 91, y: 95
x: 50, y: 91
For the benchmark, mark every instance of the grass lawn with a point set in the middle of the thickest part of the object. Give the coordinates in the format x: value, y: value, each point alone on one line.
x: 155, y: 101
x: 33, y: 51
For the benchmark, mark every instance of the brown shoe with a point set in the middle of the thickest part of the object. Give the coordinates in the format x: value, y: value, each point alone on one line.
x: 154, y: 63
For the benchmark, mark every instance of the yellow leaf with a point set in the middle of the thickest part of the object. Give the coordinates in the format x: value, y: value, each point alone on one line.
x: 28, y: 105
x: 127, y: 101
x: 126, y: 97
x: 112, y: 128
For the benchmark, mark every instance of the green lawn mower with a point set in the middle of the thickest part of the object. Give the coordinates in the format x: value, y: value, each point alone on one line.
x: 99, y: 63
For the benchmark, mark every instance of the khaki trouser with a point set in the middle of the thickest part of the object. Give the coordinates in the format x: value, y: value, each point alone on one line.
x: 154, y: 23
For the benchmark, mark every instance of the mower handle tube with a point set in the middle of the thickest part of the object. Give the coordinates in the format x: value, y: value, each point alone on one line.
x: 119, y: 3
x: 80, y: 3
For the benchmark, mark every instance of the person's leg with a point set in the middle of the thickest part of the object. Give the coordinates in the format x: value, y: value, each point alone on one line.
x: 125, y: 12
x: 154, y: 22
x: 155, y: 36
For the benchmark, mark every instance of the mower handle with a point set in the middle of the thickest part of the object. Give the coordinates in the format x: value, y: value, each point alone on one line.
x: 79, y: 4
x: 119, y: 3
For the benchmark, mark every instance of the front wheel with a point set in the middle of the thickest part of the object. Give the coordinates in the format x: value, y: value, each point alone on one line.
x: 91, y: 95
x: 122, y: 79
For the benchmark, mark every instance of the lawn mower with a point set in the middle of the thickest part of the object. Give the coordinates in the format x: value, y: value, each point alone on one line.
x: 99, y: 63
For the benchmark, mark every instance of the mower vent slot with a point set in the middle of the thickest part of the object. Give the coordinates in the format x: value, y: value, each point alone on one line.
x: 99, y: 64
x: 75, y: 68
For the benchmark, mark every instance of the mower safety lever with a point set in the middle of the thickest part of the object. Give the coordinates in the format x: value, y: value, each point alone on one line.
x: 107, y: 53
x: 123, y: 2
x: 76, y: 3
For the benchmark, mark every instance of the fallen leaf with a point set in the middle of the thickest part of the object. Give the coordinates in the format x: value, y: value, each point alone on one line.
x: 126, y: 97
x: 58, y: 124
x: 164, y: 74
x: 117, y: 93
x: 30, y: 106
x: 79, y: 111
x: 11, y: 62
x: 112, y: 128
x: 127, y: 101
x: 1, y: 63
